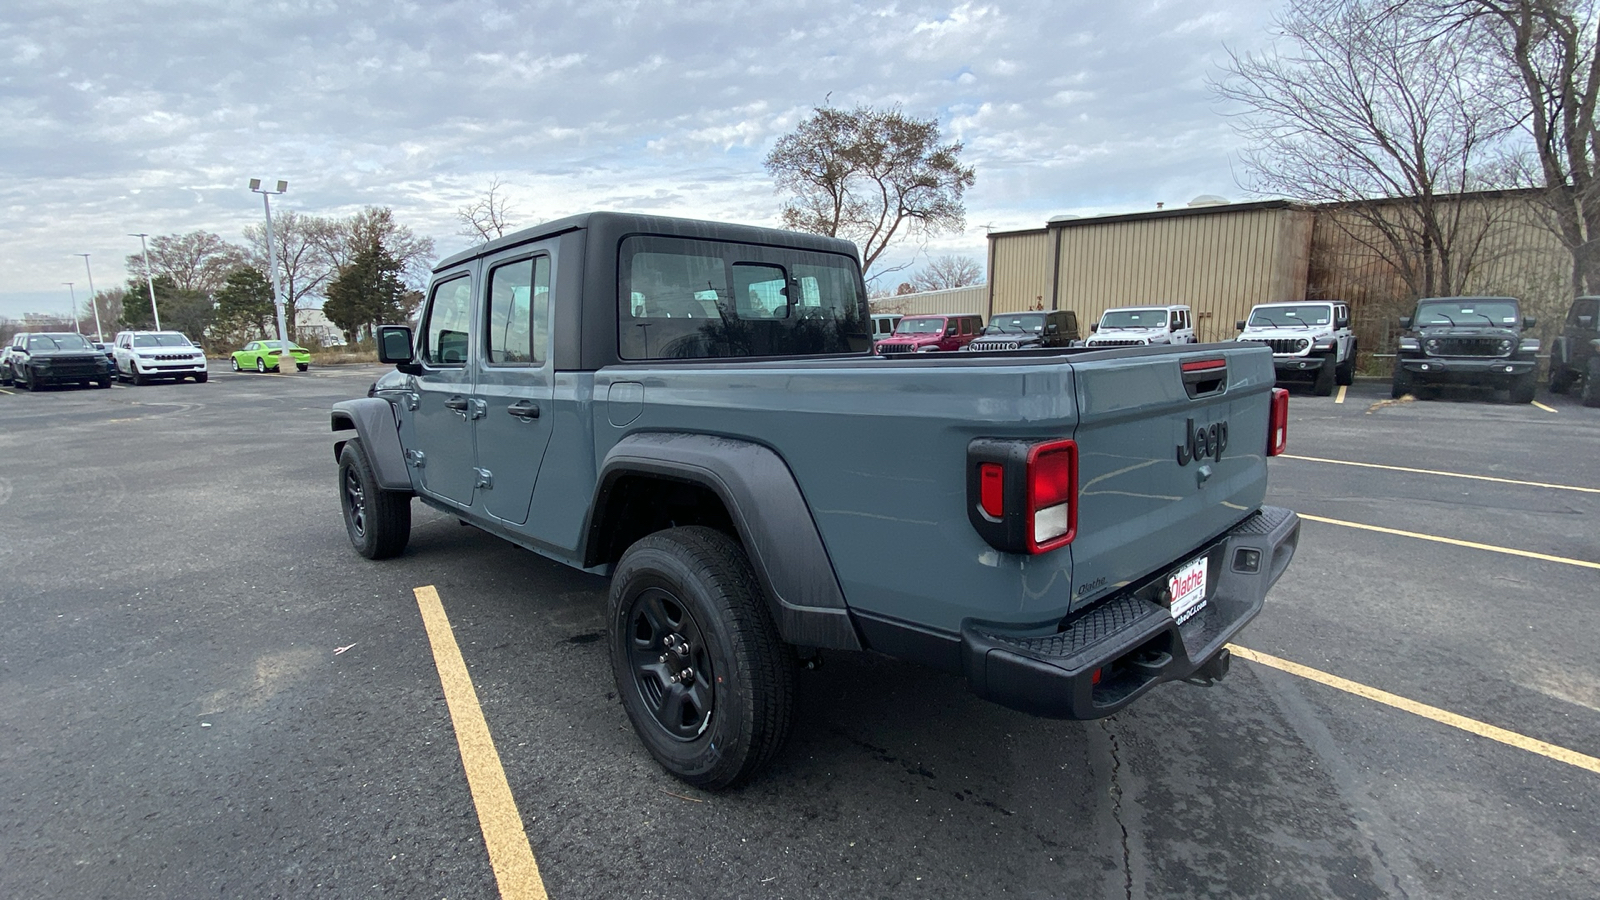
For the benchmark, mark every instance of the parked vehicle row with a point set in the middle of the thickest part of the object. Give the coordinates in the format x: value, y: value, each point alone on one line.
x: 1139, y: 326
x: 39, y: 359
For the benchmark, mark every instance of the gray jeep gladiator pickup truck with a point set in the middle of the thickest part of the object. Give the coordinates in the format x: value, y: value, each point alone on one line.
x: 693, y: 409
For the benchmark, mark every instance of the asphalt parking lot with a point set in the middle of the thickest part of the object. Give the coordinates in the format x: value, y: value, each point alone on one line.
x: 206, y: 692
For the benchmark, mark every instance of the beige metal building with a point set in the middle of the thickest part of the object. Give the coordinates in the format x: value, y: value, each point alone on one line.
x: 1222, y: 258
x: 974, y: 299
x: 1219, y: 259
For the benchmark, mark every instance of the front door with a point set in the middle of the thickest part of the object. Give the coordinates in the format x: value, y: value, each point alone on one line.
x: 442, y: 421
x: 516, y: 383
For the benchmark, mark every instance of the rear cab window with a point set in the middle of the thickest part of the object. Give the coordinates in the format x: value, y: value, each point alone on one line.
x: 685, y: 298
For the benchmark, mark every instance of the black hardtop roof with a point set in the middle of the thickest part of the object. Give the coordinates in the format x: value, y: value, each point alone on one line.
x: 1468, y: 297
x: 634, y: 223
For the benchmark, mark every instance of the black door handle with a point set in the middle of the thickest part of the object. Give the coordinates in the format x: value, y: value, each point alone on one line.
x: 524, y: 409
x: 459, y: 404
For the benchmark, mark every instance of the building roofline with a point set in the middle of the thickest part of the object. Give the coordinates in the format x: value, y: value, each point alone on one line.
x: 1176, y: 213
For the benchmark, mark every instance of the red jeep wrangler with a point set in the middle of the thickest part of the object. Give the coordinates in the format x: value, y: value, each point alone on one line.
x: 925, y: 334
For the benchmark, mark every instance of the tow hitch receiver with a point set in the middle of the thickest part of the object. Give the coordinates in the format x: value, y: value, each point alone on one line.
x: 1212, y: 670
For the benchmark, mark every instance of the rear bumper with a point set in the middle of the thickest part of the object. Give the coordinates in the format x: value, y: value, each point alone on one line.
x: 1105, y: 657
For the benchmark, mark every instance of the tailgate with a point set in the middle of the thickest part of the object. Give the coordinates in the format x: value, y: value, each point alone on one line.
x: 1145, y: 504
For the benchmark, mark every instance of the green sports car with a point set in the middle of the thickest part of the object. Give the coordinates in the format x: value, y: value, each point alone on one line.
x: 263, y: 356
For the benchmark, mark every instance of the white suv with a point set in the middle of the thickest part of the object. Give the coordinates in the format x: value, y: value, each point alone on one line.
x: 1310, y: 339
x: 145, y: 355
x: 1136, y: 326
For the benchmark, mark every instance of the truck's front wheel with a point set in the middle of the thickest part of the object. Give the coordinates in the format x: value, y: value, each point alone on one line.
x: 702, y: 673
x: 378, y: 521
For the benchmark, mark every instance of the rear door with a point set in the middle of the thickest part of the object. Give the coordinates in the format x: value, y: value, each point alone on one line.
x: 515, y: 391
x: 442, y: 421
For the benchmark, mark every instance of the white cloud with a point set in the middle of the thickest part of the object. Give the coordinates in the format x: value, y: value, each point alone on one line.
x: 150, y: 116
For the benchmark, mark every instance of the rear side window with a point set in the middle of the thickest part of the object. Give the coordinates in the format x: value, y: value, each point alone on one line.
x: 445, y: 332
x: 518, y: 313
x: 681, y: 298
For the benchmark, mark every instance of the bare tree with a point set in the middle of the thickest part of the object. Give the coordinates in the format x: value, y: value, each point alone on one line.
x: 1355, y: 104
x: 198, y: 261
x: 1549, y: 49
x: 487, y: 217
x: 946, y: 272
x: 376, y: 226
x: 304, y: 265
x: 872, y: 176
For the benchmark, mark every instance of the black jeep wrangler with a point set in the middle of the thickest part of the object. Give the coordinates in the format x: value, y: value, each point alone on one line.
x: 1575, y: 354
x: 1467, y: 341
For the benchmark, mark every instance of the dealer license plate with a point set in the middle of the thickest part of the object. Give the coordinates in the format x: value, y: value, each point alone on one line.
x: 1188, y: 589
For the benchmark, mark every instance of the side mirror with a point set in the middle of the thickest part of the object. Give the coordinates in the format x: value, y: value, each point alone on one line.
x: 1094, y: 327
x: 1405, y: 321
x: 1529, y: 321
x: 1238, y: 325
x: 394, y: 346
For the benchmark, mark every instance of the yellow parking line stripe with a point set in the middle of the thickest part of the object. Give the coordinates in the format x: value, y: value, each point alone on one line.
x: 1443, y: 717
x: 6, y: 392
x: 1364, y: 465
x: 510, y: 854
x: 1510, y: 551
x: 1340, y: 398
x: 1543, y: 407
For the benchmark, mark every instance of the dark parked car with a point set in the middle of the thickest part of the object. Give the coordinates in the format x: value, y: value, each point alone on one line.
x: 1467, y: 341
x: 1575, y: 353
x: 1028, y: 331
x: 36, y: 359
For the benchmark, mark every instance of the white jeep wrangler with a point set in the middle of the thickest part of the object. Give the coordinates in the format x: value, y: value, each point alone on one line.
x: 1310, y: 340
x: 1137, y: 326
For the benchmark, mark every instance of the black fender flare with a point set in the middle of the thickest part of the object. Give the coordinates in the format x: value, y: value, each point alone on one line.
x: 766, y: 507
x: 1559, y: 355
x: 372, y: 419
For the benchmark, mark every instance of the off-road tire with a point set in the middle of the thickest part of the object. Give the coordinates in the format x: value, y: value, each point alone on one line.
x: 378, y: 521
x: 1523, y: 388
x: 1591, y: 384
x: 694, y: 586
x: 1323, y: 386
x: 1402, y: 383
x: 1345, y: 374
x: 1561, y: 378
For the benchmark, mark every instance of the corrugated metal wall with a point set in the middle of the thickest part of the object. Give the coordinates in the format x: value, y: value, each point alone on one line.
x: 1218, y: 261
x: 974, y: 299
x: 1516, y: 255
x: 1019, y: 270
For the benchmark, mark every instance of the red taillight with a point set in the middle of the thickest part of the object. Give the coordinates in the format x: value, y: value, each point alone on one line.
x: 1052, y: 519
x: 1278, y: 423
x: 1203, y: 365
x: 992, y: 492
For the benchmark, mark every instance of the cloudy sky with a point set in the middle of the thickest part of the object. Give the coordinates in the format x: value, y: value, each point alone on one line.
x: 152, y: 116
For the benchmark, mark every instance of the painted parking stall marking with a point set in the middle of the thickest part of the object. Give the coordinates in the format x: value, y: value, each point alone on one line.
x: 510, y: 854
x: 1442, y: 474
x: 1509, y: 551
x: 1434, y: 713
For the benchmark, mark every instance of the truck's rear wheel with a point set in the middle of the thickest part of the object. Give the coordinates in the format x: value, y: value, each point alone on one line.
x: 702, y: 673
x: 377, y: 520
x: 1561, y: 378
x: 1345, y: 373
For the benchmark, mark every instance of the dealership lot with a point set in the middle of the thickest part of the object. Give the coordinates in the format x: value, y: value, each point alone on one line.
x: 206, y: 692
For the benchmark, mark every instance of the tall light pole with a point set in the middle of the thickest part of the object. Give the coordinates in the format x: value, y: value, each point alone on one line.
x: 147, y: 278
x: 74, y: 295
x: 272, y: 262
x: 99, y: 335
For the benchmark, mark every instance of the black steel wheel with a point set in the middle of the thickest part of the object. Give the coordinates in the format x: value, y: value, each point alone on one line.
x: 702, y: 673
x: 378, y: 521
